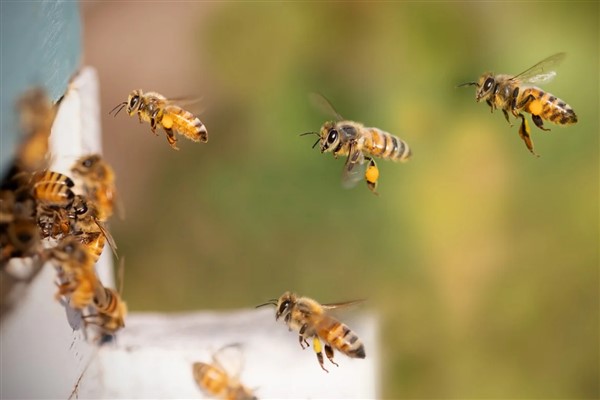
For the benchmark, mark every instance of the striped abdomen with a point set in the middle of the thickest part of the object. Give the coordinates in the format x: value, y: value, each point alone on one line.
x: 211, y: 379
x: 549, y: 107
x: 106, y: 300
x: 184, y: 122
x: 340, y: 337
x: 94, y: 243
x: 385, y: 145
x: 53, y: 188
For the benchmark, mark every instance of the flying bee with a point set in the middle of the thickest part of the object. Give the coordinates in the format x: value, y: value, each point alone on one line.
x: 75, y: 265
x: 98, y: 179
x: 216, y: 380
x: 156, y: 109
x: 360, y: 143
x: 311, y: 320
x: 88, y: 228
x: 516, y: 94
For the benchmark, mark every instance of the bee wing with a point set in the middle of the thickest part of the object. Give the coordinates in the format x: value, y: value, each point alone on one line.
x: 354, y: 169
x: 230, y: 359
x: 183, y: 101
x: 108, y: 236
x: 324, y: 105
x: 541, y: 72
x: 344, y: 304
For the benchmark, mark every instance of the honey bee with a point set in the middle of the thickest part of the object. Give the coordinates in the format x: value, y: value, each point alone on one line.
x: 75, y: 265
x: 311, y: 319
x: 88, y: 228
x: 111, y: 310
x: 19, y: 238
x: 53, y: 188
x: 516, y: 94
x: 98, y: 179
x: 156, y: 109
x: 37, y: 115
x: 216, y: 381
x: 348, y: 138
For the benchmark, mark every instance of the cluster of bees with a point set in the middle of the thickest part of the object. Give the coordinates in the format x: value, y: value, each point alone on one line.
x: 47, y: 216
x: 68, y: 213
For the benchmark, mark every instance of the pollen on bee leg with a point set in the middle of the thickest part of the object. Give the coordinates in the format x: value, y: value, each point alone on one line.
x: 372, y: 174
x: 535, y: 107
x: 167, y: 121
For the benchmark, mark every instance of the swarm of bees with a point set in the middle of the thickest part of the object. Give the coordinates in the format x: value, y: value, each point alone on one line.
x: 359, y: 143
x: 48, y: 216
x: 516, y: 94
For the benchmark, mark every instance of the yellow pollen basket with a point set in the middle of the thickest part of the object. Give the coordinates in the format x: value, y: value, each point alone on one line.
x: 317, y: 345
x: 167, y: 121
x: 372, y: 174
x: 535, y: 107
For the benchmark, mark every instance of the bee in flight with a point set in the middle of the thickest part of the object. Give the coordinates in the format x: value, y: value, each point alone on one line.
x: 311, y: 320
x: 516, y: 94
x: 216, y: 380
x: 156, y: 109
x: 361, y: 144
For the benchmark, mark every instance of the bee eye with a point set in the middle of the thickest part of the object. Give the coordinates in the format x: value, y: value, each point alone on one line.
x: 284, y: 306
x: 332, y: 136
x: 488, y: 84
x: 82, y: 209
x: 134, y: 101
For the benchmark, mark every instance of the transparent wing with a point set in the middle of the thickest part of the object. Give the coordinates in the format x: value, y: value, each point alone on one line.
x: 324, y: 105
x: 230, y: 359
x: 354, y: 169
x: 344, y: 304
x: 543, y: 71
x: 108, y: 236
x: 183, y: 101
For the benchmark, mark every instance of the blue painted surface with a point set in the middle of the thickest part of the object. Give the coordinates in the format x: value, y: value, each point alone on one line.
x: 41, y: 46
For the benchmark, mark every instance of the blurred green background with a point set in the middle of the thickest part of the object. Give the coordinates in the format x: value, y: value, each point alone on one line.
x: 481, y: 259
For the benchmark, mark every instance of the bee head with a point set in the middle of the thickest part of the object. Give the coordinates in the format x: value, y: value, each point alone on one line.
x: 485, y: 86
x: 134, y: 101
x: 284, y: 305
x: 329, y: 137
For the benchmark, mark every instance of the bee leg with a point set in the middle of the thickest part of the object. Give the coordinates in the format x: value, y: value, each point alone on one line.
x: 537, y: 120
x: 153, y: 126
x: 372, y: 175
x: 489, y: 103
x: 303, y: 343
x: 171, y: 138
x: 329, y: 354
x: 319, y: 351
x: 507, y: 117
x: 524, y: 132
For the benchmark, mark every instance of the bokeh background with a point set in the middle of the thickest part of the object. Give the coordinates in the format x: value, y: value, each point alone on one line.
x: 480, y: 259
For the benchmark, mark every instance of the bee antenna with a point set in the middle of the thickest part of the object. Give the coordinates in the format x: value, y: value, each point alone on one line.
x: 121, y: 105
x: 310, y: 133
x: 467, y: 84
x: 272, y: 302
